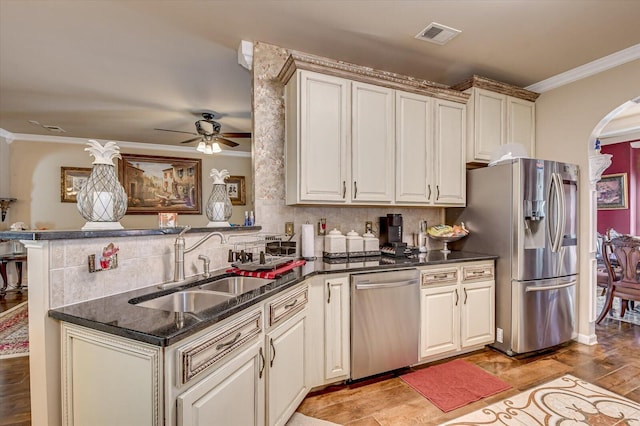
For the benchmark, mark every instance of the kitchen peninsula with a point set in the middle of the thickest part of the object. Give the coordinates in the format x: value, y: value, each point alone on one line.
x: 97, y: 305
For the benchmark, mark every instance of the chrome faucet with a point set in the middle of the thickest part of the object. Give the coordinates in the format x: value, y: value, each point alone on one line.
x: 180, y: 250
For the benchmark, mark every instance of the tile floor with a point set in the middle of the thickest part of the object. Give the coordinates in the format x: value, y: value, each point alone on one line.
x: 613, y: 364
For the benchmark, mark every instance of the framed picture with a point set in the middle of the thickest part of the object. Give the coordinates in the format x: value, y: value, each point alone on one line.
x: 236, y: 190
x: 612, y: 192
x: 161, y: 184
x: 71, y: 180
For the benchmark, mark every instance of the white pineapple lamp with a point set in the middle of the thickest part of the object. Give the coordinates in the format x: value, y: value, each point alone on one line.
x: 102, y: 200
x: 219, y: 206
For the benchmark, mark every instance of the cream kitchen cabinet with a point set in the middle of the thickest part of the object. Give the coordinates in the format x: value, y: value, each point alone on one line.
x: 318, y: 132
x: 497, y: 114
x: 329, y: 330
x: 231, y: 395
x: 339, y: 146
x: 286, y: 354
x: 238, y: 372
x: 449, y: 143
x: 391, y: 148
x: 430, y: 144
x: 457, y: 309
x: 109, y: 380
x: 372, y: 144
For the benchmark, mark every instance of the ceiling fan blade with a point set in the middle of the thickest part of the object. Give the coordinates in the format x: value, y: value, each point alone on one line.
x: 176, y: 131
x: 235, y: 135
x: 192, y: 140
x: 226, y: 141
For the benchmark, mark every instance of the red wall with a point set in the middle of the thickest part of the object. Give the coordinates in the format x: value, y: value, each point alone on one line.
x: 625, y: 160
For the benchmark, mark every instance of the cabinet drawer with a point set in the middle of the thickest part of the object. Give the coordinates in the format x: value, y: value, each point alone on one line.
x: 476, y: 272
x: 197, y: 356
x: 439, y: 276
x: 288, y: 305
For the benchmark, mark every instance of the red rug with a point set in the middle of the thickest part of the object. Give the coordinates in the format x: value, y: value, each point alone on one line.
x: 454, y: 384
x: 14, y: 332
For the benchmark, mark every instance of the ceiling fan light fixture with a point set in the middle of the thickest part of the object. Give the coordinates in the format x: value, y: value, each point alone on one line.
x: 215, y: 148
x: 202, y: 146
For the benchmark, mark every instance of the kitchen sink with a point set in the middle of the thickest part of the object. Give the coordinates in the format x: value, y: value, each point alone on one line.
x: 186, y: 301
x: 236, y: 285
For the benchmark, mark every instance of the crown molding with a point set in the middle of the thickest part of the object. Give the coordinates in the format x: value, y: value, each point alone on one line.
x: 599, y: 65
x: 25, y: 137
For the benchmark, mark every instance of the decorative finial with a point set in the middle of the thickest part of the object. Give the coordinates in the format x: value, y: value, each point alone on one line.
x: 103, y: 154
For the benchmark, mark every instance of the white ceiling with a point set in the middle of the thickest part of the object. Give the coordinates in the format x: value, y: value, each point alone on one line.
x: 115, y: 70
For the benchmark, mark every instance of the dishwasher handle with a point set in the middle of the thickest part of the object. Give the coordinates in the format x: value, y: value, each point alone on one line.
x: 371, y: 286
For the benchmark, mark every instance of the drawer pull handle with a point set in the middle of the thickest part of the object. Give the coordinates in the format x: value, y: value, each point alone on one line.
x: 437, y: 192
x: 441, y: 276
x: 355, y: 189
x: 328, y: 292
x: 344, y: 189
x: 229, y: 343
x: 457, y: 298
x: 291, y: 305
x: 273, y: 350
x: 263, y: 363
x: 465, y: 296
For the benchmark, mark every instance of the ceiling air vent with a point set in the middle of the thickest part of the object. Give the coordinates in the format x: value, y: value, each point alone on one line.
x: 55, y: 129
x: 437, y: 33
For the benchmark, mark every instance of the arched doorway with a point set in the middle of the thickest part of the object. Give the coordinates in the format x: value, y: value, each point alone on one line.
x: 598, y: 163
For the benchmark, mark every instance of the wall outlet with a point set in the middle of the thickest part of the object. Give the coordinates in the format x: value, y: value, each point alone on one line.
x: 499, y: 335
x: 368, y: 226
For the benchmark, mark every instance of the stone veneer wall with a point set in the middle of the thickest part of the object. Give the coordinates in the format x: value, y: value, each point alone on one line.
x: 269, y: 171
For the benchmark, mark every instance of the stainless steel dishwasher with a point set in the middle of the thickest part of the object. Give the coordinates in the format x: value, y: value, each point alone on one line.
x: 385, y: 317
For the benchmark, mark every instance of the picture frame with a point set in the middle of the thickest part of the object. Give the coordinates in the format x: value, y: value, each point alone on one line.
x: 71, y: 180
x: 237, y: 190
x: 157, y: 184
x: 612, y: 192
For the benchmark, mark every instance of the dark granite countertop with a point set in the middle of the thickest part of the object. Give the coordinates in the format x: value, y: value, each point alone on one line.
x: 73, y: 234
x: 115, y: 315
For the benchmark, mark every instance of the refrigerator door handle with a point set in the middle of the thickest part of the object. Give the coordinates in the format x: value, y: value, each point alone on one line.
x: 549, y: 287
x: 557, y: 215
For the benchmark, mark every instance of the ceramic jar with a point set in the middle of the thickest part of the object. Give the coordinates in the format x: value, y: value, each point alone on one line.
x: 371, y: 244
x: 355, y: 244
x: 335, y: 244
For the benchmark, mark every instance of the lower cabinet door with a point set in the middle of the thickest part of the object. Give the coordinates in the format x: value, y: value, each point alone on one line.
x: 286, y: 386
x: 478, y: 307
x: 440, y: 322
x: 232, y: 395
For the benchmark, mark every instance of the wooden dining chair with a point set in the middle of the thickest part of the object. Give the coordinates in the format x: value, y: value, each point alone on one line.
x: 626, y: 286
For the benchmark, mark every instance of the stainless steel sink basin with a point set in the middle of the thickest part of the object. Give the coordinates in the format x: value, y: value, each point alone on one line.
x: 186, y: 301
x: 236, y: 285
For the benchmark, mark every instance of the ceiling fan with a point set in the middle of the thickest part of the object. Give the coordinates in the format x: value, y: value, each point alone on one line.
x: 208, y: 133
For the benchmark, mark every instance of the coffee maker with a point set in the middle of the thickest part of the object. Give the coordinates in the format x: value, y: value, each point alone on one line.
x: 391, y: 235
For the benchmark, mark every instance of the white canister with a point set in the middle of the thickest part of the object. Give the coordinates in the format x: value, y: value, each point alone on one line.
x: 355, y: 243
x: 371, y: 243
x: 335, y: 242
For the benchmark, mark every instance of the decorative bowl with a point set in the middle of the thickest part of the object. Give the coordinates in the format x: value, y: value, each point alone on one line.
x: 447, y: 240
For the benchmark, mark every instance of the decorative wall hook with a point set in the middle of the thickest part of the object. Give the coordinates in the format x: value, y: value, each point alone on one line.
x: 4, y: 206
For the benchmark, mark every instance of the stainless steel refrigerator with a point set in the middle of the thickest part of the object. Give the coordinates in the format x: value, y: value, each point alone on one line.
x: 525, y: 211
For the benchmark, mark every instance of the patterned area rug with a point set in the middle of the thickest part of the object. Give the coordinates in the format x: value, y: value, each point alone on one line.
x: 564, y: 401
x: 14, y: 332
x: 454, y: 384
x: 631, y: 316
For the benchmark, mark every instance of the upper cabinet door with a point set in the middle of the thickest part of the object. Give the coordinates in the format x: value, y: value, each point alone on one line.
x: 317, y: 138
x: 449, y: 146
x: 414, y: 138
x: 521, y: 124
x: 372, y: 143
x: 489, y: 125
